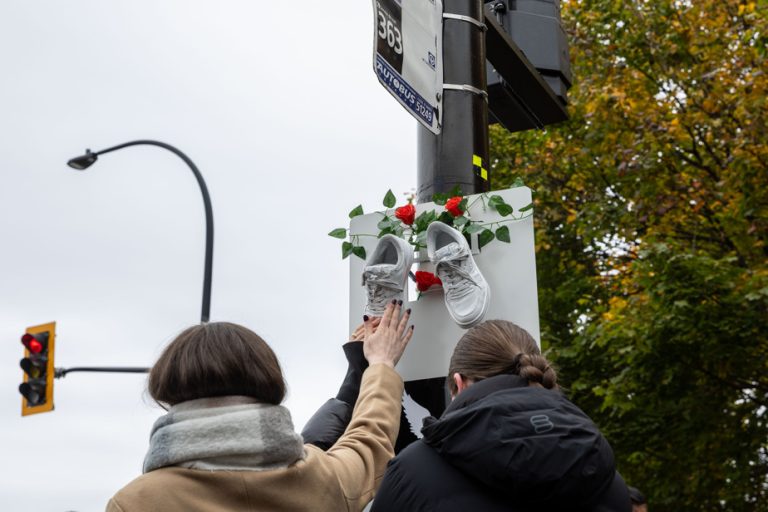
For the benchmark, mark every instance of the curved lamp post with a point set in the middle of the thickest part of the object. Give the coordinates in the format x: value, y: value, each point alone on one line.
x: 83, y: 162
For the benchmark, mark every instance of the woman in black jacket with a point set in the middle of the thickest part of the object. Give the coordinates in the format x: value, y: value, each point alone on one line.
x: 508, y: 441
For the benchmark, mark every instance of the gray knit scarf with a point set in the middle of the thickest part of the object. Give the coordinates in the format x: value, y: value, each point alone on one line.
x: 226, y: 433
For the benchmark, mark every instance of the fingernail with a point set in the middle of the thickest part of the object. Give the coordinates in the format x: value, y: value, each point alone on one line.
x: 399, y: 303
x: 394, y: 301
x: 412, y: 327
x: 365, y: 318
x: 408, y: 311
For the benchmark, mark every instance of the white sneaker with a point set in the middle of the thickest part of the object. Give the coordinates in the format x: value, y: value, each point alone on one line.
x: 466, y: 291
x: 385, y: 275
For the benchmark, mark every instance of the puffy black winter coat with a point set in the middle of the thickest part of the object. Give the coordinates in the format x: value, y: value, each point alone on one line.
x: 502, y: 445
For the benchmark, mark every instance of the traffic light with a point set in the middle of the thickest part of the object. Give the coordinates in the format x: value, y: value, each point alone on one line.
x: 37, y: 388
x: 536, y: 29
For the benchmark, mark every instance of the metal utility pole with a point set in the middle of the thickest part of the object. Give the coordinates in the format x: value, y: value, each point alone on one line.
x: 459, y: 154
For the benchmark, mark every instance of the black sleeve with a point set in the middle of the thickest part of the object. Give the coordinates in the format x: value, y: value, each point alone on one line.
x: 350, y: 388
x: 327, y: 425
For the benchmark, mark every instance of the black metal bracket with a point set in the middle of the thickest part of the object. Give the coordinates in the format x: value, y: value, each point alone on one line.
x: 59, y: 373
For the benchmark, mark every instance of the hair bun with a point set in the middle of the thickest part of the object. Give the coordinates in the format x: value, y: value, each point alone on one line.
x: 536, y: 368
x: 514, y: 367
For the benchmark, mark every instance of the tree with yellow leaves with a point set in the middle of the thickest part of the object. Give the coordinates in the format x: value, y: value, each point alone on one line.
x: 652, y: 216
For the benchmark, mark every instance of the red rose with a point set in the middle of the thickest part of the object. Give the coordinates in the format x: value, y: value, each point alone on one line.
x: 425, y: 280
x: 406, y: 214
x: 452, y: 206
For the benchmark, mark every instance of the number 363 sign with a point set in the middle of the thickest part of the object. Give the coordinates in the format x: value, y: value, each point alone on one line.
x: 408, y: 55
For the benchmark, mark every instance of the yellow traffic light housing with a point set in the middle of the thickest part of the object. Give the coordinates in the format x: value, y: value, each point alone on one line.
x: 37, y: 388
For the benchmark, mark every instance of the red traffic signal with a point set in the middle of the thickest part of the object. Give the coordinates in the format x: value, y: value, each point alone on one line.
x: 35, y: 343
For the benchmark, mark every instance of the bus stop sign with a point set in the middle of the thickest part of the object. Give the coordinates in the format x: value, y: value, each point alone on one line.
x: 408, y: 55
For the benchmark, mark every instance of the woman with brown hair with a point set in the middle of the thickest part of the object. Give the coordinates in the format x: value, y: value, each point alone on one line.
x: 226, y: 443
x: 508, y: 441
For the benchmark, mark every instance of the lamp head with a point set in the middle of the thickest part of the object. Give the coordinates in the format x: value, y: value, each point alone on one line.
x: 83, y: 162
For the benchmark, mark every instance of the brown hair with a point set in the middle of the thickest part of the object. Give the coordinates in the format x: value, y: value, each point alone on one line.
x: 216, y: 359
x: 495, y: 347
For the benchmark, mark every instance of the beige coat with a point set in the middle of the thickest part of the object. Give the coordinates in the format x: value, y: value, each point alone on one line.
x: 343, y: 478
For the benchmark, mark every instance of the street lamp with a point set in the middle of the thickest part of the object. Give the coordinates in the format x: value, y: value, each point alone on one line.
x: 89, y: 158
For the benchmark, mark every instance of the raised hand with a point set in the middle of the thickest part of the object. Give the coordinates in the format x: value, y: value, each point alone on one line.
x: 386, y: 343
x: 359, y: 333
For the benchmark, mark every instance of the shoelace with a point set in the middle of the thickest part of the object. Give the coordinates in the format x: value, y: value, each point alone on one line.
x: 457, y: 282
x: 380, y: 293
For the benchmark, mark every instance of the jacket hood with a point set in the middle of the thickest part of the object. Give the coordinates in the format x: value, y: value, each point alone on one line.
x: 528, y: 443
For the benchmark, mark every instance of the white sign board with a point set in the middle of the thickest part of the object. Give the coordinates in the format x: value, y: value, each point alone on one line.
x: 509, y: 268
x: 408, y: 55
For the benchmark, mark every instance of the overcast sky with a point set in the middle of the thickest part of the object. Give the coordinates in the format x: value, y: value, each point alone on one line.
x: 277, y: 104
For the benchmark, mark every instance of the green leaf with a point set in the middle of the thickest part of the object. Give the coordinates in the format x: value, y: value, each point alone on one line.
x: 446, y: 217
x: 485, y: 238
x: 359, y: 251
x: 495, y: 200
x: 440, y: 199
x: 498, y: 204
x: 423, y: 220
x: 460, y: 220
x: 338, y: 233
x: 456, y: 191
x: 527, y: 207
x: 474, y: 228
x: 389, y: 199
x: 357, y: 210
x: 385, y: 223
x: 346, y: 249
x: 504, y: 209
x: 431, y: 217
x: 517, y: 183
x: 502, y: 234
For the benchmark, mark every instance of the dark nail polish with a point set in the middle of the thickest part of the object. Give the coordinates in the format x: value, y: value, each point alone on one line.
x: 408, y: 311
x: 413, y: 327
x: 394, y: 301
x: 365, y: 318
x: 399, y: 303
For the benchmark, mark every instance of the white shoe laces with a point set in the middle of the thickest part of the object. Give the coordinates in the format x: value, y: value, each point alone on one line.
x: 457, y: 282
x: 380, y: 292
